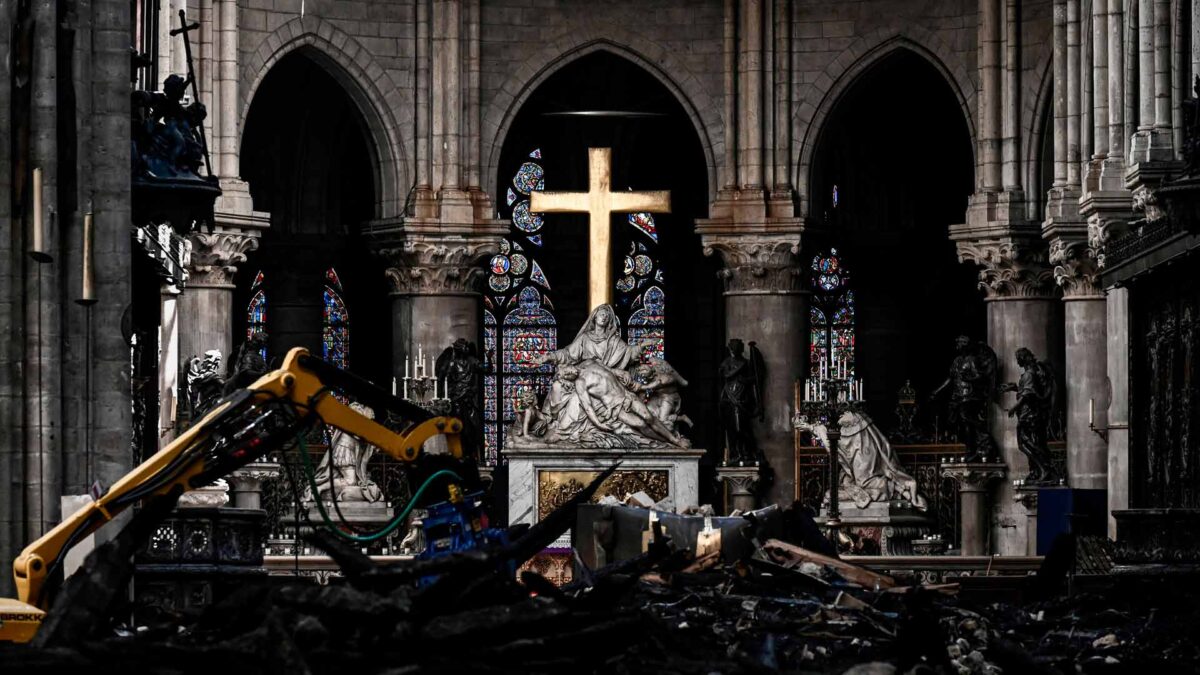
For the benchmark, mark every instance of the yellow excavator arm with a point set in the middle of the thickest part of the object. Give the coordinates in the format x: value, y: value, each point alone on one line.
x: 242, y: 427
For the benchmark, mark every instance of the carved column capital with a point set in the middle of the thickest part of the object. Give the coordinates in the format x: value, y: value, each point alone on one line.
x: 1011, y: 268
x: 450, y: 265
x: 758, y: 263
x: 1075, y: 268
x: 216, y: 255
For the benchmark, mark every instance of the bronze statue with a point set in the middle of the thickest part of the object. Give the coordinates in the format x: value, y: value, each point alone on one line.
x: 459, y: 365
x: 1036, y: 393
x: 741, y: 401
x: 166, y: 133
x: 972, y: 383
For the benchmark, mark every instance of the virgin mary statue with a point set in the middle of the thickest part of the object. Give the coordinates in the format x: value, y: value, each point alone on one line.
x: 599, y: 340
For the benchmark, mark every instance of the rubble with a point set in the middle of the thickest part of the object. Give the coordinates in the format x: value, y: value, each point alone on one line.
x: 783, y: 609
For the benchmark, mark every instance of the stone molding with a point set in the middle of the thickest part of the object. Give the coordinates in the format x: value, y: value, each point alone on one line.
x: 758, y: 263
x: 1011, y: 269
x: 216, y: 256
x: 1076, y: 270
x: 450, y: 265
x: 973, y: 476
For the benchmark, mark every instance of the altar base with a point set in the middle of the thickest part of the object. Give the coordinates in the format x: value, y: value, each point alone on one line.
x: 881, y: 528
x: 542, y: 478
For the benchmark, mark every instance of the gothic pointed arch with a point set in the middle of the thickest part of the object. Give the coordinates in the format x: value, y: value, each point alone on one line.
x: 370, y: 86
x: 579, y: 41
x: 814, y: 108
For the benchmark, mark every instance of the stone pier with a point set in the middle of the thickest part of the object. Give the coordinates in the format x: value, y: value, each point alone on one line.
x: 974, y: 483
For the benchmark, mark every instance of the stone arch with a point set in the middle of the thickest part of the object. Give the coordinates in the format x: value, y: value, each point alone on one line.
x: 365, y: 81
x: 1041, y: 107
x: 579, y: 41
x: 844, y: 70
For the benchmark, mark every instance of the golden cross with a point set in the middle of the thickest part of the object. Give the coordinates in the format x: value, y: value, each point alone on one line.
x: 600, y: 202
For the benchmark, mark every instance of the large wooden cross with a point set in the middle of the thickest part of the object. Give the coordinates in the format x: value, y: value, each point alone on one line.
x: 600, y: 202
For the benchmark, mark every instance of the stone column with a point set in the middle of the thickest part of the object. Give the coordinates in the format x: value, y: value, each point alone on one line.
x: 206, y: 306
x: 1027, y: 497
x: 434, y: 287
x: 1084, y: 337
x: 168, y: 364
x: 227, y: 76
x: 743, y: 484
x: 245, y: 484
x: 1012, y: 97
x: 973, y: 482
x: 990, y: 97
x: 1100, y: 119
x: 1022, y: 312
x: 750, y: 79
x: 1116, y: 418
x: 766, y: 302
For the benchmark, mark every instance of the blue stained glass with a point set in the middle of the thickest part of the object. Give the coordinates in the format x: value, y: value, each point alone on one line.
x: 519, y: 264
x: 511, y: 196
x: 535, y: 239
x: 528, y: 178
x: 830, y: 281
x: 335, y: 344
x: 499, y: 264
x: 517, y: 247
x: 499, y: 283
x: 645, y: 223
x: 628, y: 265
x: 536, y: 154
x: 625, y: 284
x: 658, y: 275
x: 539, y: 276
x: 647, y: 325
x: 505, y: 246
x: 256, y: 315
x: 524, y: 219
x: 642, y: 265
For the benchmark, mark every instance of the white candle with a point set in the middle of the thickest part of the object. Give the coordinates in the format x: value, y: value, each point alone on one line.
x: 1091, y: 412
x: 393, y: 386
x: 407, y: 358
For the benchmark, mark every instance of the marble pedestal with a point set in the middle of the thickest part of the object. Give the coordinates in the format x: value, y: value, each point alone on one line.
x: 974, y: 480
x: 542, y: 478
x: 742, y: 484
x: 892, y: 526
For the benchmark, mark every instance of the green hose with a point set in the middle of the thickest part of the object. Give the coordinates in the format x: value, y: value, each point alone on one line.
x: 310, y: 473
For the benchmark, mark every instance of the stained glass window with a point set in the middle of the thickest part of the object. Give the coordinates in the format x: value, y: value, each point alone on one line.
x: 639, y: 290
x: 256, y: 311
x: 518, y: 318
x: 831, y: 316
x: 335, y: 324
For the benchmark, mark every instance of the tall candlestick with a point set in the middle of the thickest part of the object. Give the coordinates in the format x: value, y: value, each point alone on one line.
x: 405, y: 387
x: 87, y: 292
x: 37, y: 235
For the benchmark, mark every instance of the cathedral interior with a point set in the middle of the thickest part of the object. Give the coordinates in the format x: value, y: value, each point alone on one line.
x: 685, y: 336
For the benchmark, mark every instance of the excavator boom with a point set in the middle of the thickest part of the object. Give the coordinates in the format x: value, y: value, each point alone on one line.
x: 242, y: 427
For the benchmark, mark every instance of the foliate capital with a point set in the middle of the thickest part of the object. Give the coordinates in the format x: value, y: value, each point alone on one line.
x: 1010, y: 268
x: 757, y: 263
x: 216, y: 255
x: 449, y: 265
x: 1075, y: 268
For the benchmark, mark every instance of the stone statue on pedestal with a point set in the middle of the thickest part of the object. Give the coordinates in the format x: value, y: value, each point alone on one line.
x: 462, y: 371
x: 741, y: 401
x: 1036, y: 393
x: 972, y: 383
x: 595, y: 401
x: 870, y: 471
x: 343, y: 470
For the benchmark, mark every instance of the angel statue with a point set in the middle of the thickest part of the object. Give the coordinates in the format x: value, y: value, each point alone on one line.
x: 870, y: 471
x: 741, y: 401
x: 343, y: 469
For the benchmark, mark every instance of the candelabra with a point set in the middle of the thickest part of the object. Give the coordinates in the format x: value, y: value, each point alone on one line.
x: 420, y: 384
x: 825, y: 400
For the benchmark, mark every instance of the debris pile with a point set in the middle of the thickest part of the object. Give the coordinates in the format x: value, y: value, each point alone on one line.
x: 668, y: 610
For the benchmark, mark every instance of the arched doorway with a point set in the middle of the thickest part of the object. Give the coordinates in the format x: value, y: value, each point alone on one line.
x: 664, y: 285
x: 309, y: 159
x: 892, y: 170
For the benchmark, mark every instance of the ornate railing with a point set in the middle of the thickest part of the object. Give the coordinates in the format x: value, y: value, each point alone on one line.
x: 921, y: 461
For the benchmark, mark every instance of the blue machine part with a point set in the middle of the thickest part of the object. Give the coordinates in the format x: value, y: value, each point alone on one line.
x: 456, y: 525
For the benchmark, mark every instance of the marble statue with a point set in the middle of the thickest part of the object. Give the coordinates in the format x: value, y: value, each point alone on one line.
x: 870, y: 471
x: 972, y: 383
x: 205, y: 382
x: 343, y: 469
x: 741, y: 400
x: 660, y: 383
x: 1036, y: 392
x: 601, y: 396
